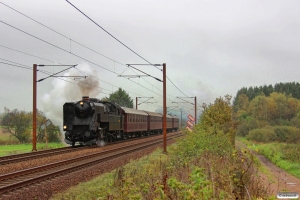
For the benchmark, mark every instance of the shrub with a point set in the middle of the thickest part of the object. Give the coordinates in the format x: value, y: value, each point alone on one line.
x: 291, y: 152
x: 266, y: 134
x: 287, y: 134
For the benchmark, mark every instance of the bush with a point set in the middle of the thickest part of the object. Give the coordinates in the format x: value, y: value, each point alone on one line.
x: 291, y: 152
x: 242, y: 130
x: 266, y: 134
x: 287, y: 134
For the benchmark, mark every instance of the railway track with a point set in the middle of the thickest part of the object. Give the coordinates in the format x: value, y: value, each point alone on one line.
x: 23, y: 178
x: 40, y: 154
x: 36, y: 154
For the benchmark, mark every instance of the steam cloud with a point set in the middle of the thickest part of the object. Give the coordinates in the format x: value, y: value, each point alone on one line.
x: 64, y: 91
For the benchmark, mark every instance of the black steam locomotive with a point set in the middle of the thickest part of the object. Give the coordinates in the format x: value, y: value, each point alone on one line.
x: 91, y: 121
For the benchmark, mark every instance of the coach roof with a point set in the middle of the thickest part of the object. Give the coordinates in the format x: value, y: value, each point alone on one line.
x: 154, y: 114
x: 133, y: 111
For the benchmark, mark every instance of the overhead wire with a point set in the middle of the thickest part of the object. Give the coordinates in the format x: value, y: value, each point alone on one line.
x: 65, y: 50
x: 74, y: 41
x: 69, y: 51
x: 61, y: 63
x: 109, y: 33
x: 121, y: 42
x: 14, y: 65
x: 82, y: 44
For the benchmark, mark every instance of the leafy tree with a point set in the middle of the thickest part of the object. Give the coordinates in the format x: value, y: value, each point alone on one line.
x: 53, y: 132
x: 242, y: 102
x: 40, y: 120
x: 120, y: 97
x: 18, y: 124
x: 218, y: 117
x: 258, y: 107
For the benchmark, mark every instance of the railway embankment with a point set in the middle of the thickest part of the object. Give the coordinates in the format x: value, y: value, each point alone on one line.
x: 201, y: 165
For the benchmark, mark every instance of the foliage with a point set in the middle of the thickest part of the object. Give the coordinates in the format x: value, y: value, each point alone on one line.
x: 120, y: 97
x: 17, y: 123
x: 52, y: 131
x: 262, y: 135
x: 292, y: 88
x: 287, y: 134
x: 218, y: 117
x: 276, y: 109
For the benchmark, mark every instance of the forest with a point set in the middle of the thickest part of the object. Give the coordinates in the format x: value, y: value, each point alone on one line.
x: 268, y: 113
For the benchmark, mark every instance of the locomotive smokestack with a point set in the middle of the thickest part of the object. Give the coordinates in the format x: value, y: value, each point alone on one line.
x: 85, y: 98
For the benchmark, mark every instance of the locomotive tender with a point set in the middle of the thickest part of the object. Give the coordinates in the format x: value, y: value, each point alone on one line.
x: 91, y: 121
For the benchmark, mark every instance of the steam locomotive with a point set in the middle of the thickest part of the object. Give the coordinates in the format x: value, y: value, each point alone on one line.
x: 91, y: 121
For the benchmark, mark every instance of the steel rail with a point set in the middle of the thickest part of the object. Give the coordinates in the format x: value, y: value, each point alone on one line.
x: 37, y: 154
x: 94, y: 159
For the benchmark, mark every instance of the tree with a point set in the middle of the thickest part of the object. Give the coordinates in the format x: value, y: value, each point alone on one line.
x: 120, y: 97
x: 52, y: 131
x: 218, y: 116
x: 18, y: 124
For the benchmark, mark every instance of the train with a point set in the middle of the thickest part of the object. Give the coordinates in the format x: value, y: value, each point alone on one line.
x: 92, y: 121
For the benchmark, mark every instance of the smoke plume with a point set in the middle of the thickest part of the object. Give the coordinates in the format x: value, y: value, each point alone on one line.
x: 70, y: 91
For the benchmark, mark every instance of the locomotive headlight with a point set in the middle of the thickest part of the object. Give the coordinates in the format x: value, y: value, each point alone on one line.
x: 65, y: 127
x: 81, y: 103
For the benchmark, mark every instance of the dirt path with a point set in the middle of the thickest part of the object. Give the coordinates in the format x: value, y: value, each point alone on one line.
x: 277, y: 179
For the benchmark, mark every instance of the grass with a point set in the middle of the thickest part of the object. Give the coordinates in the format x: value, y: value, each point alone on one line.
x: 281, y: 154
x: 199, y: 166
x: 24, y: 148
x: 10, y: 145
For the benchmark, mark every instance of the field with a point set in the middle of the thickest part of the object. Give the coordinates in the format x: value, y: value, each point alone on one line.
x: 6, y: 138
x: 10, y: 145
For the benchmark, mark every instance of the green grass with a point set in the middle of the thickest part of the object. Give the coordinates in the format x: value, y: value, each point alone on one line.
x: 276, y: 154
x: 24, y: 148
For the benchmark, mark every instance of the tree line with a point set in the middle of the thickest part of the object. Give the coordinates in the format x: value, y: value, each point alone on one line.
x: 19, y: 124
x: 291, y: 88
x: 270, y: 113
x: 263, y: 114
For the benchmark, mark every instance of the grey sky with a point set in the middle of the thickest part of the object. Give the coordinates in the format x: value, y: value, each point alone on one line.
x: 211, y: 48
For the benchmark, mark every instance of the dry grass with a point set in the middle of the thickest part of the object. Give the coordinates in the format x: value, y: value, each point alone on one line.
x: 6, y: 138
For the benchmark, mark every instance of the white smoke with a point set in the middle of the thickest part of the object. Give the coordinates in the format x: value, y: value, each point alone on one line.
x: 64, y: 91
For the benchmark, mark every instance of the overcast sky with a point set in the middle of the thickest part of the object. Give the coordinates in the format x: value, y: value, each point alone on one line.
x: 211, y: 48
